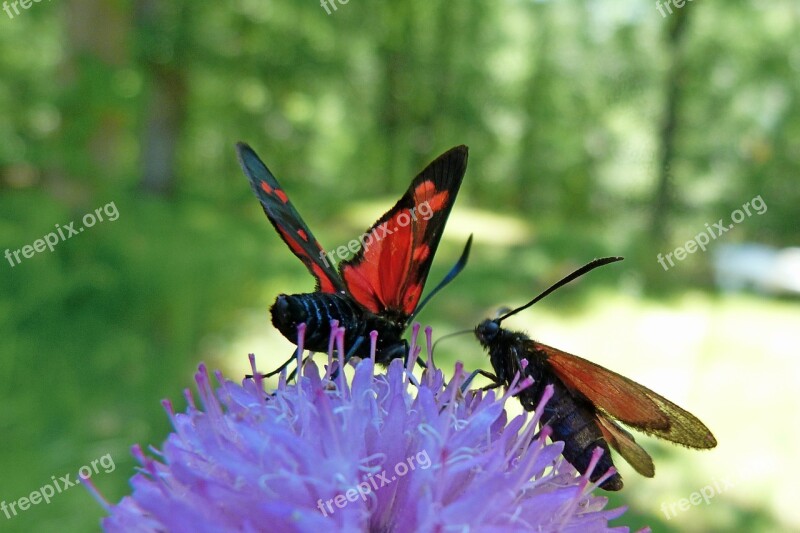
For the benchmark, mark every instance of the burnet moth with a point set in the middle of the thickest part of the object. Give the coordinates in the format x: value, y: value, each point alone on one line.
x: 380, y: 287
x: 589, y: 401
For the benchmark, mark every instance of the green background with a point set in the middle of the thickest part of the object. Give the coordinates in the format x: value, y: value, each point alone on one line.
x: 595, y: 128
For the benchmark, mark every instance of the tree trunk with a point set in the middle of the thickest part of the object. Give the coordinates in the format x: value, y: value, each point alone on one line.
x: 162, y: 26
x: 663, y: 200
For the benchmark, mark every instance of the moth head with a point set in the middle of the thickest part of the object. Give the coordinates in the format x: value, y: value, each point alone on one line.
x: 487, y: 331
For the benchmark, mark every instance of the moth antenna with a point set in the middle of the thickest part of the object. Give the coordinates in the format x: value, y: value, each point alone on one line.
x: 591, y: 265
x: 443, y: 337
x: 455, y: 271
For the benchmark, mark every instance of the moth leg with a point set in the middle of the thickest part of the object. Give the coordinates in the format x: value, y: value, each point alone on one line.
x: 404, y: 349
x: 277, y: 370
x: 294, y: 372
x: 350, y: 353
x: 397, y: 351
x: 353, y: 349
x: 496, y: 382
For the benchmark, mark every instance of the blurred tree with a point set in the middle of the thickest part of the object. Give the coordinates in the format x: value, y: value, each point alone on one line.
x: 94, y: 122
x: 674, y: 84
x: 162, y: 33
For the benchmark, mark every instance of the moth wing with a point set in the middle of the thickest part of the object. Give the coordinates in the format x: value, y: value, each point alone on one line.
x: 287, y: 221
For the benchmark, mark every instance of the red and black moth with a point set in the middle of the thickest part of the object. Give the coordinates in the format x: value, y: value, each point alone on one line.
x: 588, y: 399
x: 380, y: 287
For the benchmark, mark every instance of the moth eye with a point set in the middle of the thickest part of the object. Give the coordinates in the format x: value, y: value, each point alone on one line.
x: 491, y: 328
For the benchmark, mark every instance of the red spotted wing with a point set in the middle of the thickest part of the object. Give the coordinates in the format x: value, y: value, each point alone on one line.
x: 380, y: 287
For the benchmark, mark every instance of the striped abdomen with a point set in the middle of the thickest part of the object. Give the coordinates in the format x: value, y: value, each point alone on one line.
x: 575, y: 424
x: 317, y: 310
x: 572, y: 419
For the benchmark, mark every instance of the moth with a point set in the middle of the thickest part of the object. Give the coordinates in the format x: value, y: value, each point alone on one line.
x: 589, y: 401
x: 380, y: 286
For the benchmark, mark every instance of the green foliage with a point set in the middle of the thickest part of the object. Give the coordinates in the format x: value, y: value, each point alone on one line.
x: 561, y: 103
x: 113, y: 314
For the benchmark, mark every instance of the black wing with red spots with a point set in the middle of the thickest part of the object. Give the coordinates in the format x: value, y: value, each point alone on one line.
x: 287, y: 220
x: 388, y: 274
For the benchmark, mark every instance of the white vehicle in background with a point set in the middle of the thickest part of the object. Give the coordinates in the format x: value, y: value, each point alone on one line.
x: 762, y: 268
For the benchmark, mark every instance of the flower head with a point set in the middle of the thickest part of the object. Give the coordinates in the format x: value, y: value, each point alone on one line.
x: 375, y: 452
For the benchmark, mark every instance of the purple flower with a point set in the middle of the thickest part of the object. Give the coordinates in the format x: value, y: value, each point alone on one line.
x: 378, y: 452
